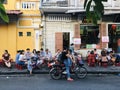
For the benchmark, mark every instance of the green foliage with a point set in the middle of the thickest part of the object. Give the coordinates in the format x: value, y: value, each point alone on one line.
x: 3, y: 14
x: 97, y: 12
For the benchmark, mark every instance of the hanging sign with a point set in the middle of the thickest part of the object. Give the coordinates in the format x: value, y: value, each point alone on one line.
x: 105, y: 39
x: 77, y: 41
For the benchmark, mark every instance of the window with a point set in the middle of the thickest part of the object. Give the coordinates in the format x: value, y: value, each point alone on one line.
x: 20, y: 34
x: 29, y: 5
x: 90, y: 36
x: 28, y: 33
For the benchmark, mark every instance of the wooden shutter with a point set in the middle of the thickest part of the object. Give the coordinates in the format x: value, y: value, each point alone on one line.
x: 58, y: 41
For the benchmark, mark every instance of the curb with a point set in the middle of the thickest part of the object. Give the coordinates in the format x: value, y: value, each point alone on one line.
x: 46, y: 72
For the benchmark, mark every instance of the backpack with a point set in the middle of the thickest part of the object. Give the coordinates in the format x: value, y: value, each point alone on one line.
x: 60, y: 57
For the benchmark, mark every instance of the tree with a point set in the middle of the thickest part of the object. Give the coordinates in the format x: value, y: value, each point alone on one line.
x: 97, y: 9
x: 3, y: 14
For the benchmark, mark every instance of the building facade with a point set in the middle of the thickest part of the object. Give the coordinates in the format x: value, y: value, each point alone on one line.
x: 64, y: 22
x: 23, y: 31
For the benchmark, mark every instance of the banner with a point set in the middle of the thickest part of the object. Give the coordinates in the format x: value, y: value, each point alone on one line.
x: 77, y: 41
x: 105, y: 39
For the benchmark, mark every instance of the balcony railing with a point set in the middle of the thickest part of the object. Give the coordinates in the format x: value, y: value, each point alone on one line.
x: 55, y: 4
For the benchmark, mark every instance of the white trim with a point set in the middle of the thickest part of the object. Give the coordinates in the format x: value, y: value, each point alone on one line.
x: 17, y: 5
x: 37, y: 38
x: 112, y: 23
x: 74, y: 11
x: 111, y: 12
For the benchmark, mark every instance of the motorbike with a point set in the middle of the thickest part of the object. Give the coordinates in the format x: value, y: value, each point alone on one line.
x: 57, y: 70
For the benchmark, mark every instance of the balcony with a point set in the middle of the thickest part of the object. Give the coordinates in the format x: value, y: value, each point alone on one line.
x: 75, y: 6
x: 55, y: 4
x: 60, y: 5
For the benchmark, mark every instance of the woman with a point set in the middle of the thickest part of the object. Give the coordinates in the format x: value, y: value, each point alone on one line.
x: 22, y: 58
x: 6, y: 58
x: 34, y: 51
x: 68, y: 59
x: 34, y: 56
x: 103, y: 57
x: 113, y: 57
x: 91, y: 59
x: 56, y: 57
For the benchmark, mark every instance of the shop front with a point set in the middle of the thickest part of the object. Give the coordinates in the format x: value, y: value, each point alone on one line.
x: 114, y: 36
x: 90, y: 37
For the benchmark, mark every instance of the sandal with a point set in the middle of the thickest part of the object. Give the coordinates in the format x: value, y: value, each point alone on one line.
x: 70, y: 79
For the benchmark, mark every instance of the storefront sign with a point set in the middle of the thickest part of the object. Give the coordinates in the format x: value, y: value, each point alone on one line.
x: 91, y: 46
x: 105, y: 39
x: 77, y: 41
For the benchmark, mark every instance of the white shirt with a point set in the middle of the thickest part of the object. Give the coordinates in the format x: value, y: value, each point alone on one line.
x: 21, y: 57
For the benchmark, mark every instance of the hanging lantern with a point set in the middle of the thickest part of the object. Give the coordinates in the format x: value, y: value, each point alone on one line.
x: 113, y: 27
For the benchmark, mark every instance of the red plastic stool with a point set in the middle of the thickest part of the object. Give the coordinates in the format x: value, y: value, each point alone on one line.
x: 19, y: 67
x: 1, y: 63
x: 104, y: 64
x: 117, y: 64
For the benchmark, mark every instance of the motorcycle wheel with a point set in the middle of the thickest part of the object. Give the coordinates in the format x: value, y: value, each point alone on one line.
x: 81, y: 72
x: 55, y: 73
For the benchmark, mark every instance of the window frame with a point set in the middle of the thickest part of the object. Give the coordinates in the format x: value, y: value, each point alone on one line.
x: 28, y: 34
x: 20, y: 34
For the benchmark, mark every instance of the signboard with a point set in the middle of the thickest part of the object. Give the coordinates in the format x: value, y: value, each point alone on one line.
x: 105, y: 39
x: 91, y: 46
x: 77, y: 41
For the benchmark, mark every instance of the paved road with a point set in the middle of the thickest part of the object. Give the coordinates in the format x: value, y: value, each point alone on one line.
x: 44, y: 82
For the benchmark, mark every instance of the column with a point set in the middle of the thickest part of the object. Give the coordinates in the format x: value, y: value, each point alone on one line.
x: 103, y: 31
x: 77, y: 35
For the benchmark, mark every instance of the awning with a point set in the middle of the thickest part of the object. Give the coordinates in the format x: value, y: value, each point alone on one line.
x: 15, y: 12
x: 13, y: 15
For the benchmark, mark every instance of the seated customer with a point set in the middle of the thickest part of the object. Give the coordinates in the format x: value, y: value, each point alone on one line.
x: 22, y: 58
x: 17, y: 57
x: 91, y: 59
x: 48, y: 55
x: 113, y: 57
x: 103, y: 57
x: 6, y: 58
x: 56, y: 57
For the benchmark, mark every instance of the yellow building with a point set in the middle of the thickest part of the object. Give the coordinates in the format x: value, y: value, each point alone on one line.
x: 23, y: 30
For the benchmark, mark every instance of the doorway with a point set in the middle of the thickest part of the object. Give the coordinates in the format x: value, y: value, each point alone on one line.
x: 66, y: 40
x: 62, y: 40
x: 114, y: 35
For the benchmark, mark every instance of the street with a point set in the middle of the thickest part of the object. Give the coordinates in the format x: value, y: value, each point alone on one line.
x: 44, y: 82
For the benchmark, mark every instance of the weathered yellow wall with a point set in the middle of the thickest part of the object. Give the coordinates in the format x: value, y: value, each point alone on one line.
x: 8, y: 39
x: 25, y: 41
x: 10, y: 5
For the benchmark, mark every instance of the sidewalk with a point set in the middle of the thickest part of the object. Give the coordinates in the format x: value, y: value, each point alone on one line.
x: 91, y: 70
